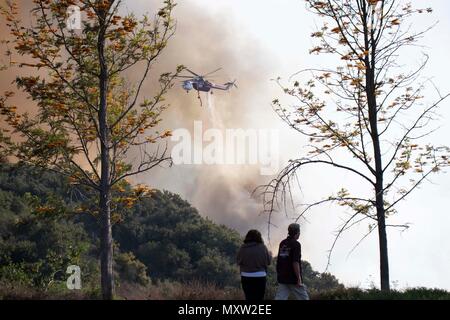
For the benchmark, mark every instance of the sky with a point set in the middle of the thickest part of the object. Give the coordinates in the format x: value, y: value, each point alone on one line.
x: 254, y: 41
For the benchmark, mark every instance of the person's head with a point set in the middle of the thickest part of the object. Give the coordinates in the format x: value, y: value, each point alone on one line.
x: 253, y: 236
x: 294, y: 230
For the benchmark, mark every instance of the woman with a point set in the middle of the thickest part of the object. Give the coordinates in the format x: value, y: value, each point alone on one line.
x: 253, y: 259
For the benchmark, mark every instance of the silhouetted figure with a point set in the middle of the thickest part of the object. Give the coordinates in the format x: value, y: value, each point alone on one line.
x: 289, y: 268
x: 253, y: 259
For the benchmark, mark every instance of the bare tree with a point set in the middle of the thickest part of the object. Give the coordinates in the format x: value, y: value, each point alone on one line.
x: 365, y: 107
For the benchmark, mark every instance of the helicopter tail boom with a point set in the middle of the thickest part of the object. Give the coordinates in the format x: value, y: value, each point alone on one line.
x: 225, y: 86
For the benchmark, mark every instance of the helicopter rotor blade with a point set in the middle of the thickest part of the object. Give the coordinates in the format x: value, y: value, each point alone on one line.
x: 212, y: 72
x: 188, y: 77
x: 193, y: 72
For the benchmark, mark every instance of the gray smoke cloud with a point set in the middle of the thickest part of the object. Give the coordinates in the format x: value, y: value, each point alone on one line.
x: 204, y: 43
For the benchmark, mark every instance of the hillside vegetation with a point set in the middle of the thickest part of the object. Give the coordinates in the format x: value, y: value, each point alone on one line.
x: 164, y: 249
x: 162, y: 244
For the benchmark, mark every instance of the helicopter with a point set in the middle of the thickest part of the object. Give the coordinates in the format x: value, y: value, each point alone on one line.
x: 200, y: 83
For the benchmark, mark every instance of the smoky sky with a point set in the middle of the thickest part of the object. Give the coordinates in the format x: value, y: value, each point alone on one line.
x: 202, y: 42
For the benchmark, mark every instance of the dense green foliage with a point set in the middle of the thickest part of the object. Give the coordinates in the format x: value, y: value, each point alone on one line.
x: 174, y: 241
x: 161, y: 238
x: 35, y: 250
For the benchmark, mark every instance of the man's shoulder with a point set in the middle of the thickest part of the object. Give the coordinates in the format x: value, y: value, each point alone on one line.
x: 294, y: 245
x: 290, y: 242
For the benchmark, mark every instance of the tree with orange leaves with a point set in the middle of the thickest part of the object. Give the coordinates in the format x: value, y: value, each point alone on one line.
x: 367, y: 108
x: 89, y: 116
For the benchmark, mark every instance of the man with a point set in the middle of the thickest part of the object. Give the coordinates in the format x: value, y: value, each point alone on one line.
x: 289, y: 270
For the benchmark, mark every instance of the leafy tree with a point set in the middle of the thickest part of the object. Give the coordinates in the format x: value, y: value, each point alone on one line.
x: 89, y: 116
x: 319, y: 281
x: 368, y: 108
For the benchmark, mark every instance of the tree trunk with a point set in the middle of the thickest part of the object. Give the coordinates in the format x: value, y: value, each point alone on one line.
x: 106, y: 247
x: 379, y: 201
x: 106, y: 261
x: 105, y: 200
x: 382, y: 240
x: 379, y: 197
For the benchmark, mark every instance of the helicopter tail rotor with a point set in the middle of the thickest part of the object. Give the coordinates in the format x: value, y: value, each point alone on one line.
x: 231, y: 84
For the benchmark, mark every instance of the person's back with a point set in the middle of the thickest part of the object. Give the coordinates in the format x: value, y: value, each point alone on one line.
x: 253, y: 259
x: 289, y: 251
x: 289, y: 272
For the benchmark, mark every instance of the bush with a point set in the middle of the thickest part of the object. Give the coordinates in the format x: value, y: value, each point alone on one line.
x: 15, y: 273
x: 129, y: 269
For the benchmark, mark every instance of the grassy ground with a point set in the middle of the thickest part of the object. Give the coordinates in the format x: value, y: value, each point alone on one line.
x: 199, y: 291
x: 375, y: 294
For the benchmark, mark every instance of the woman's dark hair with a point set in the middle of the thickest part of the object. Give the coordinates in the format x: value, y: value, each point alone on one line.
x: 253, y: 236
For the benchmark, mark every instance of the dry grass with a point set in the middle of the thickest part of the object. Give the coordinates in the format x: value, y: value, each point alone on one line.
x: 166, y: 290
x: 21, y: 292
x: 195, y: 290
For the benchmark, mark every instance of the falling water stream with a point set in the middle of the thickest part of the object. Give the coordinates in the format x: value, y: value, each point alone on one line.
x: 214, y: 117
